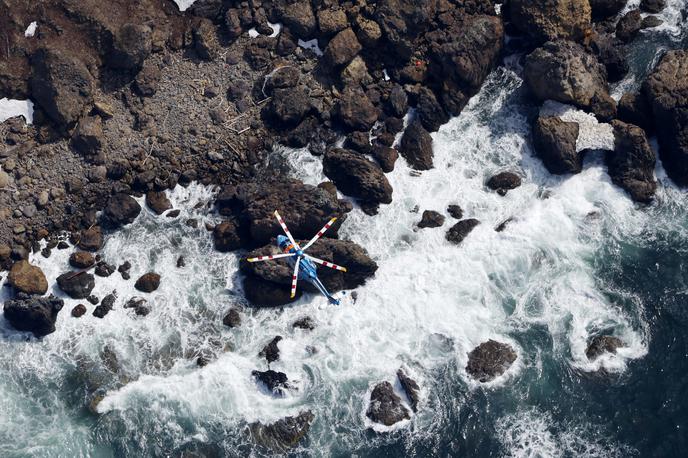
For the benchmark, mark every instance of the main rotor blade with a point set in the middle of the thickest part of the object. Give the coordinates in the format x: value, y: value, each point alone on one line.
x: 286, y: 230
x: 295, y: 277
x: 326, y: 263
x: 272, y: 256
x: 320, y: 233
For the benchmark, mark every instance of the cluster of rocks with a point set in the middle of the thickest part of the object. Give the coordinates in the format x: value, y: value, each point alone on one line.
x: 580, y: 47
x: 386, y: 407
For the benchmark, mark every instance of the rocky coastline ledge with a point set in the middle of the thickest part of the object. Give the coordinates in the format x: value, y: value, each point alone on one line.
x: 136, y: 97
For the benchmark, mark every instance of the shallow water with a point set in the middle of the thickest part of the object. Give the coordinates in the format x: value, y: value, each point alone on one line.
x: 578, y: 259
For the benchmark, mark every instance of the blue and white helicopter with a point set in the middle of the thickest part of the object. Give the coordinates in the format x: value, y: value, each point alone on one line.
x: 304, y: 267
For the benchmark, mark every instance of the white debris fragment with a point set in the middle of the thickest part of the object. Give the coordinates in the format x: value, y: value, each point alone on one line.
x: 592, y: 134
x: 31, y: 29
x: 253, y: 33
x: 9, y: 108
x: 312, y: 45
x: 184, y: 5
x: 276, y: 29
x: 384, y: 72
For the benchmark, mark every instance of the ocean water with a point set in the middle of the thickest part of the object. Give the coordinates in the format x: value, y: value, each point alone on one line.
x: 578, y: 259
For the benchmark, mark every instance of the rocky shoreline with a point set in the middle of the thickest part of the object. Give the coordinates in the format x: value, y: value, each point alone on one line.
x: 152, y: 98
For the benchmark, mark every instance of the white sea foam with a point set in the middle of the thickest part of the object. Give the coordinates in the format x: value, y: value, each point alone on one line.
x: 592, y: 134
x: 9, y: 108
x: 184, y: 5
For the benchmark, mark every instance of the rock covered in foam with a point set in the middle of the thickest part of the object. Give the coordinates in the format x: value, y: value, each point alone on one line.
x: 267, y: 283
x: 385, y: 406
x: 599, y: 345
x: 33, y: 314
x: 489, y: 360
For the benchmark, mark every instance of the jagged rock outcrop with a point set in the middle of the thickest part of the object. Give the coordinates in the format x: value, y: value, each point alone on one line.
x: 565, y: 72
x: 666, y: 90
x: 555, y: 143
x: 632, y: 163
x: 489, y: 360
x: 385, y: 406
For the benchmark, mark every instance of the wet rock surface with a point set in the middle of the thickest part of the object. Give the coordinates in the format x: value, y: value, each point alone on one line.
x: 385, y: 406
x: 459, y: 231
x: 504, y: 182
x: 77, y: 285
x: 275, y: 382
x: 283, y: 434
x: 410, y: 387
x: 599, y: 345
x: 489, y: 360
x: 148, y: 282
x: 33, y: 314
x: 431, y: 218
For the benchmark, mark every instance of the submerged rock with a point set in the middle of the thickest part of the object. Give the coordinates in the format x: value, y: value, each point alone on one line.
x: 410, y: 387
x: 385, y: 406
x: 25, y: 278
x: 33, y: 314
x: 77, y: 285
x: 283, y: 434
x: 599, y: 345
x: 489, y: 360
x: 460, y: 230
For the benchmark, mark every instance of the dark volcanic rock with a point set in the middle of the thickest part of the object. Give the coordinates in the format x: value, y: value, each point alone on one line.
x: 460, y: 230
x: 61, y: 85
x: 489, y: 360
x: 77, y: 285
x: 431, y: 218
x: 271, y: 351
x: 356, y: 176
x: 416, y: 146
x: 25, y: 278
x: 504, y: 182
x: 386, y: 157
x: 304, y: 208
x: 298, y: 16
x: 103, y: 269
x: 634, y: 109
x: 105, y: 306
x: 565, y: 72
x: 283, y: 434
x: 148, y: 282
x: 599, y: 345
x: 550, y: 20
x: 81, y: 260
x: 385, y: 406
x: 632, y: 163
x: 629, y: 26
x: 267, y: 283
x: 342, y: 48
x: 33, y: 314
x: 206, y: 42
x: 555, y: 144
x: 612, y: 53
x: 148, y: 79
x: 410, y: 387
x: 276, y: 382
x: 430, y: 112
x: 131, y: 46
x: 232, y: 319
x: 78, y: 310
x: 666, y: 90
x: 355, y: 111
x: 120, y: 209
x: 158, y: 202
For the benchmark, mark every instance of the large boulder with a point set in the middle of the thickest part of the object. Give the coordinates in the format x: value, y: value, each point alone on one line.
x: 355, y: 112
x: 283, y: 434
x: 298, y: 17
x: 61, y: 85
x: 555, y: 143
x: 612, y: 53
x: 288, y: 107
x: 635, y: 109
x: 227, y: 236
x: 305, y: 209
x: 489, y: 360
x: 461, y: 56
x: 416, y: 146
x: 550, y: 20
x: 267, y: 283
x: 632, y: 163
x: 25, y: 278
x: 666, y: 90
x: 91, y: 239
x: 87, y: 138
x: 121, y: 209
x: 504, y: 182
x: 77, y: 285
x: 565, y: 72
x: 148, y: 282
x: 33, y: 314
x: 342, y: 48
x: 385, y: 406
x: 206, y: 43
x: 629, y: 26
x: 158, y: 202
x: 356, y: 176
x: 132, y: 44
